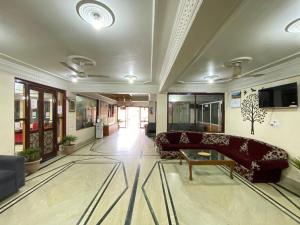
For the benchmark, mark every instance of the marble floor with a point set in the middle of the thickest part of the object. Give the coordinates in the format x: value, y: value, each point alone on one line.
x: 121, y: 180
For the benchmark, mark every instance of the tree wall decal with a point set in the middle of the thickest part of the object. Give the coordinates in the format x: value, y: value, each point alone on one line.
x: 251, y: 112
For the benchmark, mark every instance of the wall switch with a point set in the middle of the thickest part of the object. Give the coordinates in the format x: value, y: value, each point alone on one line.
x: 274, y: 123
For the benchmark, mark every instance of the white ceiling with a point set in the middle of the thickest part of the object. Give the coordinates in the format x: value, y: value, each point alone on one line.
x: 256, y: 29
x: 42, y: 33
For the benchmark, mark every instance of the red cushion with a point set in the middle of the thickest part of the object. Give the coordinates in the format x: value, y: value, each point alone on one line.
x: 241, y: 159
x: 194, y: 137
x: 173, y: 137
x: 257, y: 149
x: 171, y: 147
x: 235, y: 143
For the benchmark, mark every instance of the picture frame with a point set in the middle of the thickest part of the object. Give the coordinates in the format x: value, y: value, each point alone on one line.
x: 236, y: 99
x: 72, y: 105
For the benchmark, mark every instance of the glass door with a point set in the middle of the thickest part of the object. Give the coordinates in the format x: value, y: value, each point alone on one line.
x: 49, y: 127
x: 42, y: 121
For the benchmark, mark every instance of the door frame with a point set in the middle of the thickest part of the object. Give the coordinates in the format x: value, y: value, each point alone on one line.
x: 41, y: 90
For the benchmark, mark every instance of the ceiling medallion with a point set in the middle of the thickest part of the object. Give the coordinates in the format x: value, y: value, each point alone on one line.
x: 95, y: 13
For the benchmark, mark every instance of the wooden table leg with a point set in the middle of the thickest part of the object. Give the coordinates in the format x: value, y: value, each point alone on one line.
x: 190, y: 169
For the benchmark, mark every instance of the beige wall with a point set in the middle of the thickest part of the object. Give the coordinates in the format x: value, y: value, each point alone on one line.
x: 161, y: 118
x: 285, y: 136
x: 6, y: 113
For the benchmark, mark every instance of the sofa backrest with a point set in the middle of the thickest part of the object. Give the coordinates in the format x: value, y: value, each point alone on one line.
x: 254, y: 149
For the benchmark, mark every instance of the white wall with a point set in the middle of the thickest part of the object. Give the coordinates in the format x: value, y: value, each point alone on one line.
x: 6, y: 113
x: 285, y: 136
x: 161, y: 118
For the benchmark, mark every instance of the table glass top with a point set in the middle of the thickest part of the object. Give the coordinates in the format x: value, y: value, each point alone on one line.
x: 202, y: 154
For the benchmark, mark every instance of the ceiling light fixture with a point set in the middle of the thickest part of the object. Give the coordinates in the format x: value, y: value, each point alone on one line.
x: 293, y: 27
x: 95, y: 13
x: 74, y: 78
x: 130, y: 78
x: 210, y: 78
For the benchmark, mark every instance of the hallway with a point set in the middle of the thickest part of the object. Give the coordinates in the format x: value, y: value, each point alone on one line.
x: 121, y: 180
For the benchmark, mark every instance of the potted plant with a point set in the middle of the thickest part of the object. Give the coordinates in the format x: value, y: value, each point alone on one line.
x: 296, y: 163
x: 32, y: 159
x: 68, y: 145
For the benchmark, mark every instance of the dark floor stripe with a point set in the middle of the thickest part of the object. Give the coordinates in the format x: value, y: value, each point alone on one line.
x: 286, y: 197
x: 288, y: 190
x: 133, y: 195
x: 118, y: 198
x: 146, y: 197
x: 98, y: 200
x: 31, y: 190
x: 263, y: 194
x: 91, y: 202
x: 170, y: 195
x: 164, y: 194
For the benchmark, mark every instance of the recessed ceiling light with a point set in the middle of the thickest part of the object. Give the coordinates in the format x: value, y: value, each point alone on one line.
x: 293, y: 27
x: 74, y: 78
x: 95, y: 13
x: 130, y: 78
x: 210, y: 78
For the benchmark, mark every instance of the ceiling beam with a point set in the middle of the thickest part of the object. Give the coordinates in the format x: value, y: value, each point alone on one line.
x: 208, y: 19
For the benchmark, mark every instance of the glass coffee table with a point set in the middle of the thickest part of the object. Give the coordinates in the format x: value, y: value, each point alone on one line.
x: 205, y: 157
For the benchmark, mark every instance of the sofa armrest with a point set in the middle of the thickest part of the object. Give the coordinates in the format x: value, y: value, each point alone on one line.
x: 15, y: 163
x: 259, y: 165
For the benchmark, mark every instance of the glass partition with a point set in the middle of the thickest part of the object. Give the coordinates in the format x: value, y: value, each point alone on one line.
x: 86, y: 110
x: 195, y: 112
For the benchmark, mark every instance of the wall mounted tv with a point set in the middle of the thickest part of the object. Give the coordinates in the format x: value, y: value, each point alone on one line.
x: 279, y: 96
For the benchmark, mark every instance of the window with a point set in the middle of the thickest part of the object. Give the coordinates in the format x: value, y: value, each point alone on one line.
x: 86, y: 110
x: 195, y: 112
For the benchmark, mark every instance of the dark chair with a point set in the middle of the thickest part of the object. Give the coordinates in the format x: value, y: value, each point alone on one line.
x: 150, y: 129
x: 12, y: 175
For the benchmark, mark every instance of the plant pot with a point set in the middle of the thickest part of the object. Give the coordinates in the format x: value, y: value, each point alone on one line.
x: 31, y: 167
x: 68, y: 149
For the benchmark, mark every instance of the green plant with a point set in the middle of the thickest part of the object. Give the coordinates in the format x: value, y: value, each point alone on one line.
x: 31, y: 154
x: 67, y: 140
x: 296, y: 163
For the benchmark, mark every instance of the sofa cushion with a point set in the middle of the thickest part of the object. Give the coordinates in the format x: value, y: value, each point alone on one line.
x: 194, y: 138
x: 211, y: 139
x: 173, y: 137
x: 235, y: 143
x: 7, y: 175
x: 242, y: 159
x: 184, y: 139
x: 257, y: 149
x: 176, y: 147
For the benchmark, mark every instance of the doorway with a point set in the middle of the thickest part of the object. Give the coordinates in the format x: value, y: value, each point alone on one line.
x: 133, y: 117
x: 39, y: 118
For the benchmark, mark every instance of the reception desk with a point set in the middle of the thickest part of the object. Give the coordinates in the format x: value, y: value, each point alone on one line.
x: 110, y: 129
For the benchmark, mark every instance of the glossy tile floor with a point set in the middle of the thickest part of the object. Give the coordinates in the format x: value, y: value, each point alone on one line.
x: 121, y: 180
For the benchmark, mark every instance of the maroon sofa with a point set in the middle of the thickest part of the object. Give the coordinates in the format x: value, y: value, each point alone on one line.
x: 255, y: 160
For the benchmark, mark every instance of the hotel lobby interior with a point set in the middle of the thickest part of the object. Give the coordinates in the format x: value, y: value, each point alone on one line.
x: 150, y: 112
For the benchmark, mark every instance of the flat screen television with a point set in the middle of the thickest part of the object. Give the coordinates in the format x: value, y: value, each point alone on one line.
x: 279, y: 96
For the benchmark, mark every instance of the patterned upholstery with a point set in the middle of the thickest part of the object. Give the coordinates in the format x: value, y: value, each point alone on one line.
x: 255, y: 160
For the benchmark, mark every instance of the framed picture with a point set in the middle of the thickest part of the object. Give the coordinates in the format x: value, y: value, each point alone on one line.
x: 235, y: 99
x: 72, y: 105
